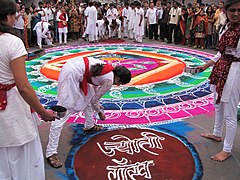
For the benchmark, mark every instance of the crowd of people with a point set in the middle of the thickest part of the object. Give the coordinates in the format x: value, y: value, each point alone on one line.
x: 193, y: 24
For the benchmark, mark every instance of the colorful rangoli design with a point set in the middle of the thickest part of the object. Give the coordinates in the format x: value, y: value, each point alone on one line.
x: 160, y: 90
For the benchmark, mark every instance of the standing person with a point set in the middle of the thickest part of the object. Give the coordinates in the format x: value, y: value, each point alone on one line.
x: 182, y: 25
x: 189, y: 27
x: 224, y: 81
x: 91, y: 15
x: 19, y: 21
x: 173, y: 23
x: 74, y: 23
x: 200, y: 29
x: 210, y: 15
x: 152, y: 19
x: 125, y: 14
x: 164, y: 22
x: 82, y: 83
x: 131, y: 20
x: 21, y: 154
x: 62, y: 19
x: 139, y: 24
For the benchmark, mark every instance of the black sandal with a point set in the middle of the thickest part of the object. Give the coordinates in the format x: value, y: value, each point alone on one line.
x: 94, y: 128
x: 54, y: 161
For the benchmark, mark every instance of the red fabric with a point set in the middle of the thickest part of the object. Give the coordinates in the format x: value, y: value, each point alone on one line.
x: 106, y: 69
x: 221, y: 68
x: 62, y: 17
x: 3, y: 94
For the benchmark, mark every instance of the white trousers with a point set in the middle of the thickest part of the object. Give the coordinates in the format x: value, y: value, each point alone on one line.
x: 139, y: 38
x: 130, y: 33
x: 40, y: 37
x: 228, y: 111
x: 56, y: 128
x: 60, y: 38
x: 125, y: 28
x: 22, y: 162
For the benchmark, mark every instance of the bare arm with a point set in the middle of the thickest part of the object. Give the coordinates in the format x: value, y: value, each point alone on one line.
x: 26, y: 90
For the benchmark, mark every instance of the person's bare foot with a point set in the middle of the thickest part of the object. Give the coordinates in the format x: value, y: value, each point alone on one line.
x: 222, y: 156
x: 212, y: 137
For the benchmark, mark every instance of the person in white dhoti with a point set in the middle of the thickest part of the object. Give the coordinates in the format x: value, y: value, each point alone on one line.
x: 21, y: 156
x: 125, y: 14
x: 139, y: 23
x: 81, y: 84
x: 42, y: 29
x: 131, y: 20
x: 91, y: 28
x: 85, y: 34
x: 115, y: 28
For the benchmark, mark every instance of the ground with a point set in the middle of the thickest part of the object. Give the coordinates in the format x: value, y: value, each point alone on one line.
x: 189, y: 128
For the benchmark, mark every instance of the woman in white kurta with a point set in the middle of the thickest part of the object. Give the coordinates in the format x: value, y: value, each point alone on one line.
x: 139, y: 24
x: 21, y: 156
x: 224, y: 81
x: 78, y: 93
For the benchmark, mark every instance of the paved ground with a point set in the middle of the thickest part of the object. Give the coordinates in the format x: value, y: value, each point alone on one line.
x: 228, y: 170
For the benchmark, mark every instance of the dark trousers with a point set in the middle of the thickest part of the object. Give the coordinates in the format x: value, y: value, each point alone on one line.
x: 163, y: 31
x: 153, y: 30
x: 172, y: 28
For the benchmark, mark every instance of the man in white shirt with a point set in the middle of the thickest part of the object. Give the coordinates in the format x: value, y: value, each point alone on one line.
x: 131, y: 20
x: 19, y: 22
x: 174, y: 16
x: 152, y: 17
x: 125, y: 14
x: 43, y: 31
x: 91, y: 15
x: 49, y: 13
x: 139, y: 24
x: 112, y: 13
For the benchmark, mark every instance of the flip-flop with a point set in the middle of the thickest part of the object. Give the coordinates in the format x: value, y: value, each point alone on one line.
x: 54, y: 161
x: 211, y: 136
x: 94, y: 128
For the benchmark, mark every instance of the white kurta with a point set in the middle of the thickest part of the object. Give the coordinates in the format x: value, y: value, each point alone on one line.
x: 139, y: 30
x: 91, y: 23
x: 71, y: 96
x: 42, y: 30
x: 111, y: 14
x: 131, y: 18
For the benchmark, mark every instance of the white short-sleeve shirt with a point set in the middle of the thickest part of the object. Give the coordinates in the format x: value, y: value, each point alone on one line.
x: 16, y: 124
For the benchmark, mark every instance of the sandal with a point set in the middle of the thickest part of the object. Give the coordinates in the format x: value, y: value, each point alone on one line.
x: 94, y: 128
x: 54, y: 161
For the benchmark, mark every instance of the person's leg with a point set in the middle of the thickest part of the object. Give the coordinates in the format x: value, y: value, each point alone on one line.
x: 170, y: 31
x: 54, y: 135
x: 65, y: 37
x: 88, y: 113
x: 218, y: 124
x: 155, y: 31
x: 202, y: 42
x: 150, y: 34
x: 39, y: 38
x: 60, y: 37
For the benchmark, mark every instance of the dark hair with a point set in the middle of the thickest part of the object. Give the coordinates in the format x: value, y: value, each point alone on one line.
x: 120, y: 71
x: 229, y: 3
x: 123, y: 73
x: 8, y: 7
x: 96, y: 69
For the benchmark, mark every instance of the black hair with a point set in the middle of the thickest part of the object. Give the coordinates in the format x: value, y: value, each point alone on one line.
x: 8, y: 7
x: 230, y: 3
x: 96, y: 69
x: 123, y: 73
x: 120, y: 71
